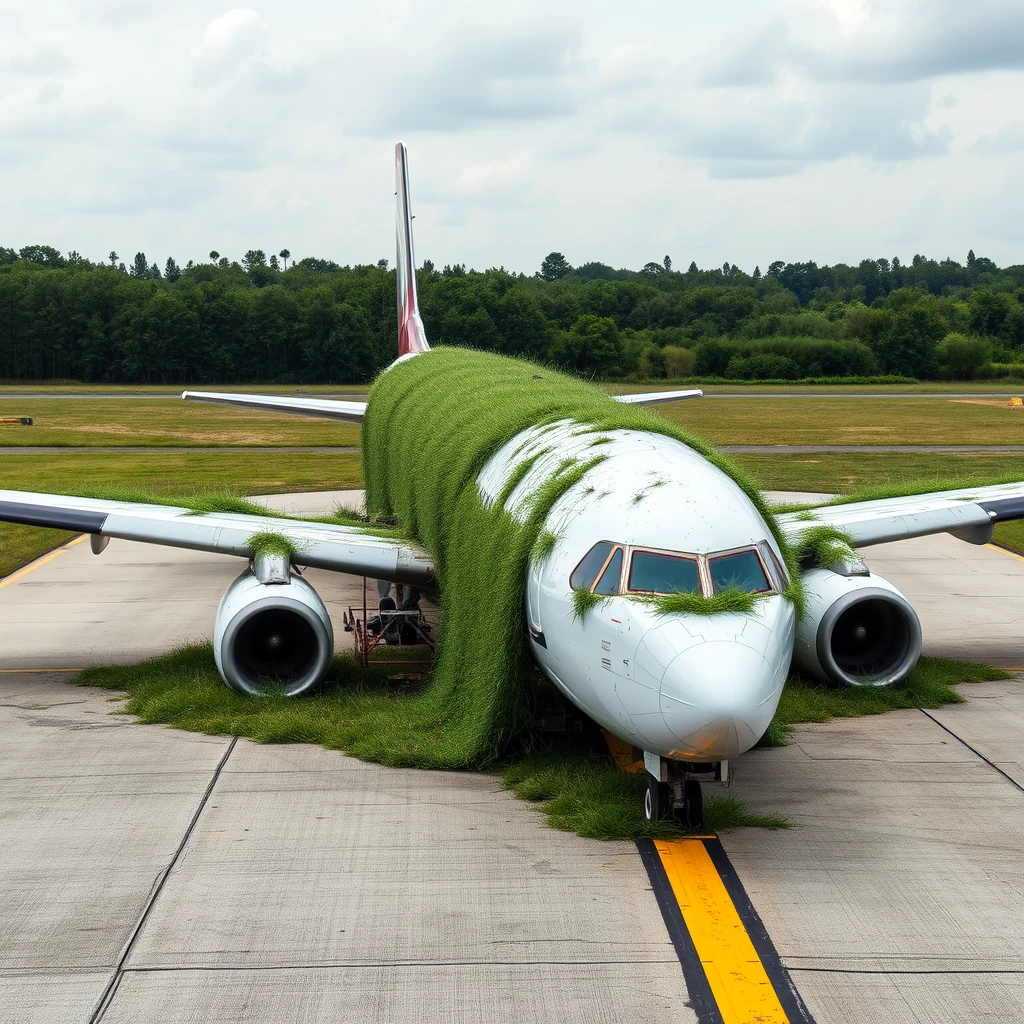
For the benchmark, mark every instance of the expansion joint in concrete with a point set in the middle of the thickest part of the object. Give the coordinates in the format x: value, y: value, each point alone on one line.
x: 1009, y: 778
x: 111, y: 989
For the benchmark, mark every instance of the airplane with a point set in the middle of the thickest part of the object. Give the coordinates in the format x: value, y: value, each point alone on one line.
x: 691, y: 686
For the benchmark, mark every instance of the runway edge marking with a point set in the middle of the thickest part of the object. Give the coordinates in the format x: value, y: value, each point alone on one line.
x: 32, y: 566
x: 732, y: 970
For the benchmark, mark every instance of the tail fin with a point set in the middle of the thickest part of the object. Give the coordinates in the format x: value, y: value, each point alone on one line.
x: 412, y: 338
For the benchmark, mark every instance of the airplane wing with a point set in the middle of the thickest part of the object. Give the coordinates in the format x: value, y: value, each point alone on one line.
x: 969, y: 513
x: 657, y: 397
x: 351, y: 412
x: 347, y: 549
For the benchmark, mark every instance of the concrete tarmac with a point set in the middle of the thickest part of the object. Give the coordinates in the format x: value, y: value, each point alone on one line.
x: 156, y: 875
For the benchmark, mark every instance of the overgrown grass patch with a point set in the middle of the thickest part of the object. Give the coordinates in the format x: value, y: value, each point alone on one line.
x: 574, y: 782
x: 580, y: 790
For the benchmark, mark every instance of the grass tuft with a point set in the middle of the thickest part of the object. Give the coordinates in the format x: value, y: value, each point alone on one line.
x: 583, y: 600
x: 546, y: 540
x: 271, y: 544
x: 822, y: 546
x: 694, y: 603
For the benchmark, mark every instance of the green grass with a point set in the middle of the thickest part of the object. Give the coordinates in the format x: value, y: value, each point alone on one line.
x: 456, y: 408
x: 163, y: 422
x: 845, y: 473
x: 850, y: 421
x: 1011, y: 536
x: 580, y: 790
x: 692, y: 603
x: 574, y: 782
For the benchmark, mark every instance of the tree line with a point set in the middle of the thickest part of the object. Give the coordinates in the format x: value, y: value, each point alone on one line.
x: 268, y: 320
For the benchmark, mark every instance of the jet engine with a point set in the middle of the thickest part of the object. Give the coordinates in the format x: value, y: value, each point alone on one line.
x: 856, y: 629
x: 274, y: 636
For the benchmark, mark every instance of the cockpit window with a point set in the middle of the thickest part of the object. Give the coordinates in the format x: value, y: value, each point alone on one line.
x: 609, y: 581
x: 742, y: 570
x: 585, y: 573
x: 654, y: 573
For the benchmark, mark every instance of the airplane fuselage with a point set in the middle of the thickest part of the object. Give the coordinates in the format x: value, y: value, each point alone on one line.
x: 652, y: 518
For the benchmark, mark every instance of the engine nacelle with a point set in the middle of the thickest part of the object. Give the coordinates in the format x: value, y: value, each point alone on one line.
x: 857, y: 630
x: 272, y: 638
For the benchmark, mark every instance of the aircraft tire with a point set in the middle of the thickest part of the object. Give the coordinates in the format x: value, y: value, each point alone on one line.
x: 657, y: 799
x: 691, y: 814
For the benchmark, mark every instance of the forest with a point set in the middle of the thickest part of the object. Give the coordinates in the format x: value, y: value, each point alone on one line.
x: 312, y: 321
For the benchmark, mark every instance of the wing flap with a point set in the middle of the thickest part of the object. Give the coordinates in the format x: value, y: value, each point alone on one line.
x: 969, y: 513
x: 329, y: 408
x: 657, y: 397
x: 322, y: 545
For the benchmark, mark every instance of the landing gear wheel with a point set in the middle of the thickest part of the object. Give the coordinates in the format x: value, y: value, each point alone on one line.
x: 657, y: 799
x: 691, y: 814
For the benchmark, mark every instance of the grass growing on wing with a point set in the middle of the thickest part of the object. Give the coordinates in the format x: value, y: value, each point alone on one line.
x: 456, y: 408
x: 929, y: 686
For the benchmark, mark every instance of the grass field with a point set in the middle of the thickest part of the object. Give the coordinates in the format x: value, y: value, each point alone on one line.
x: 851, y: 421
x: 166, y: 422
x: 170, y: 422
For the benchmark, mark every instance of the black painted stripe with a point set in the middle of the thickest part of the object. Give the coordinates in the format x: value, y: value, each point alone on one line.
x: 79, y: 520
x: 777, y: 973
x: 702, y: 1000
x: 1002, y: 510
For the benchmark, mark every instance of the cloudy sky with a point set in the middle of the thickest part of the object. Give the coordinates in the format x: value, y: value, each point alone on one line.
x: 748, y: 131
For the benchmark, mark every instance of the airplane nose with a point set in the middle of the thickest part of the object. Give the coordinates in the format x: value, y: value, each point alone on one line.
x: 717, y: 699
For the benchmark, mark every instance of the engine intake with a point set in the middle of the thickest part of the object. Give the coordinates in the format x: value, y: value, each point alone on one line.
x: 857, y: 630
x: 272, y: 638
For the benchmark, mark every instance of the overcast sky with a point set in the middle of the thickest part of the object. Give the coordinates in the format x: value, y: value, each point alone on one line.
x: 826, y: 130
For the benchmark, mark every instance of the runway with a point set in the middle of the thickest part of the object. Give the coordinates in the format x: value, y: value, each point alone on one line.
x: 156, y: 875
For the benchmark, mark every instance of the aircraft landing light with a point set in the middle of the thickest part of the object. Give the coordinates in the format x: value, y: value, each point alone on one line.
x: 732, y: 971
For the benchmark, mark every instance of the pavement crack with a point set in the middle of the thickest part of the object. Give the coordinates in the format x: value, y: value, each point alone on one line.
x: 107, y: 996
x: 1009, y: 778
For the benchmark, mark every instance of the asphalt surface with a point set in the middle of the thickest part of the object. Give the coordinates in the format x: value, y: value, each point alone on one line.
x: 155, y: 875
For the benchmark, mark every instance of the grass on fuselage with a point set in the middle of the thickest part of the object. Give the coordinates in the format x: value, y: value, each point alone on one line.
x: 456, y: 408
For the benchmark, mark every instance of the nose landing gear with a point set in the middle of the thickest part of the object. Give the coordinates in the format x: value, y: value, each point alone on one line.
x: 674, y: 789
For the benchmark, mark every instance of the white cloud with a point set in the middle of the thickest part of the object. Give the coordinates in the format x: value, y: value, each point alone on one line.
x: 828, y: 129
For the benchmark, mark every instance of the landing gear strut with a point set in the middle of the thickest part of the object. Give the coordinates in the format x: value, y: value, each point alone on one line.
x: 674, y: 789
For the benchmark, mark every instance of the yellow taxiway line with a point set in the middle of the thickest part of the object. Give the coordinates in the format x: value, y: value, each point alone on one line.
x: 1005, y: 551
x: 32, y: 566
x: 738, y: 979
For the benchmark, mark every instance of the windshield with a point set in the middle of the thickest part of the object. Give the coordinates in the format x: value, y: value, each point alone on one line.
x: 655, y: 573
x: 741, y: 570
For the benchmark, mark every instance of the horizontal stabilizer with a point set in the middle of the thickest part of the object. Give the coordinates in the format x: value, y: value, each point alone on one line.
x: 351, y: 412
x: 657, y: 397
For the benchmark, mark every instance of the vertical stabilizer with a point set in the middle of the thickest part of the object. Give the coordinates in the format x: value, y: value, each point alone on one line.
x: 411, y: 336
